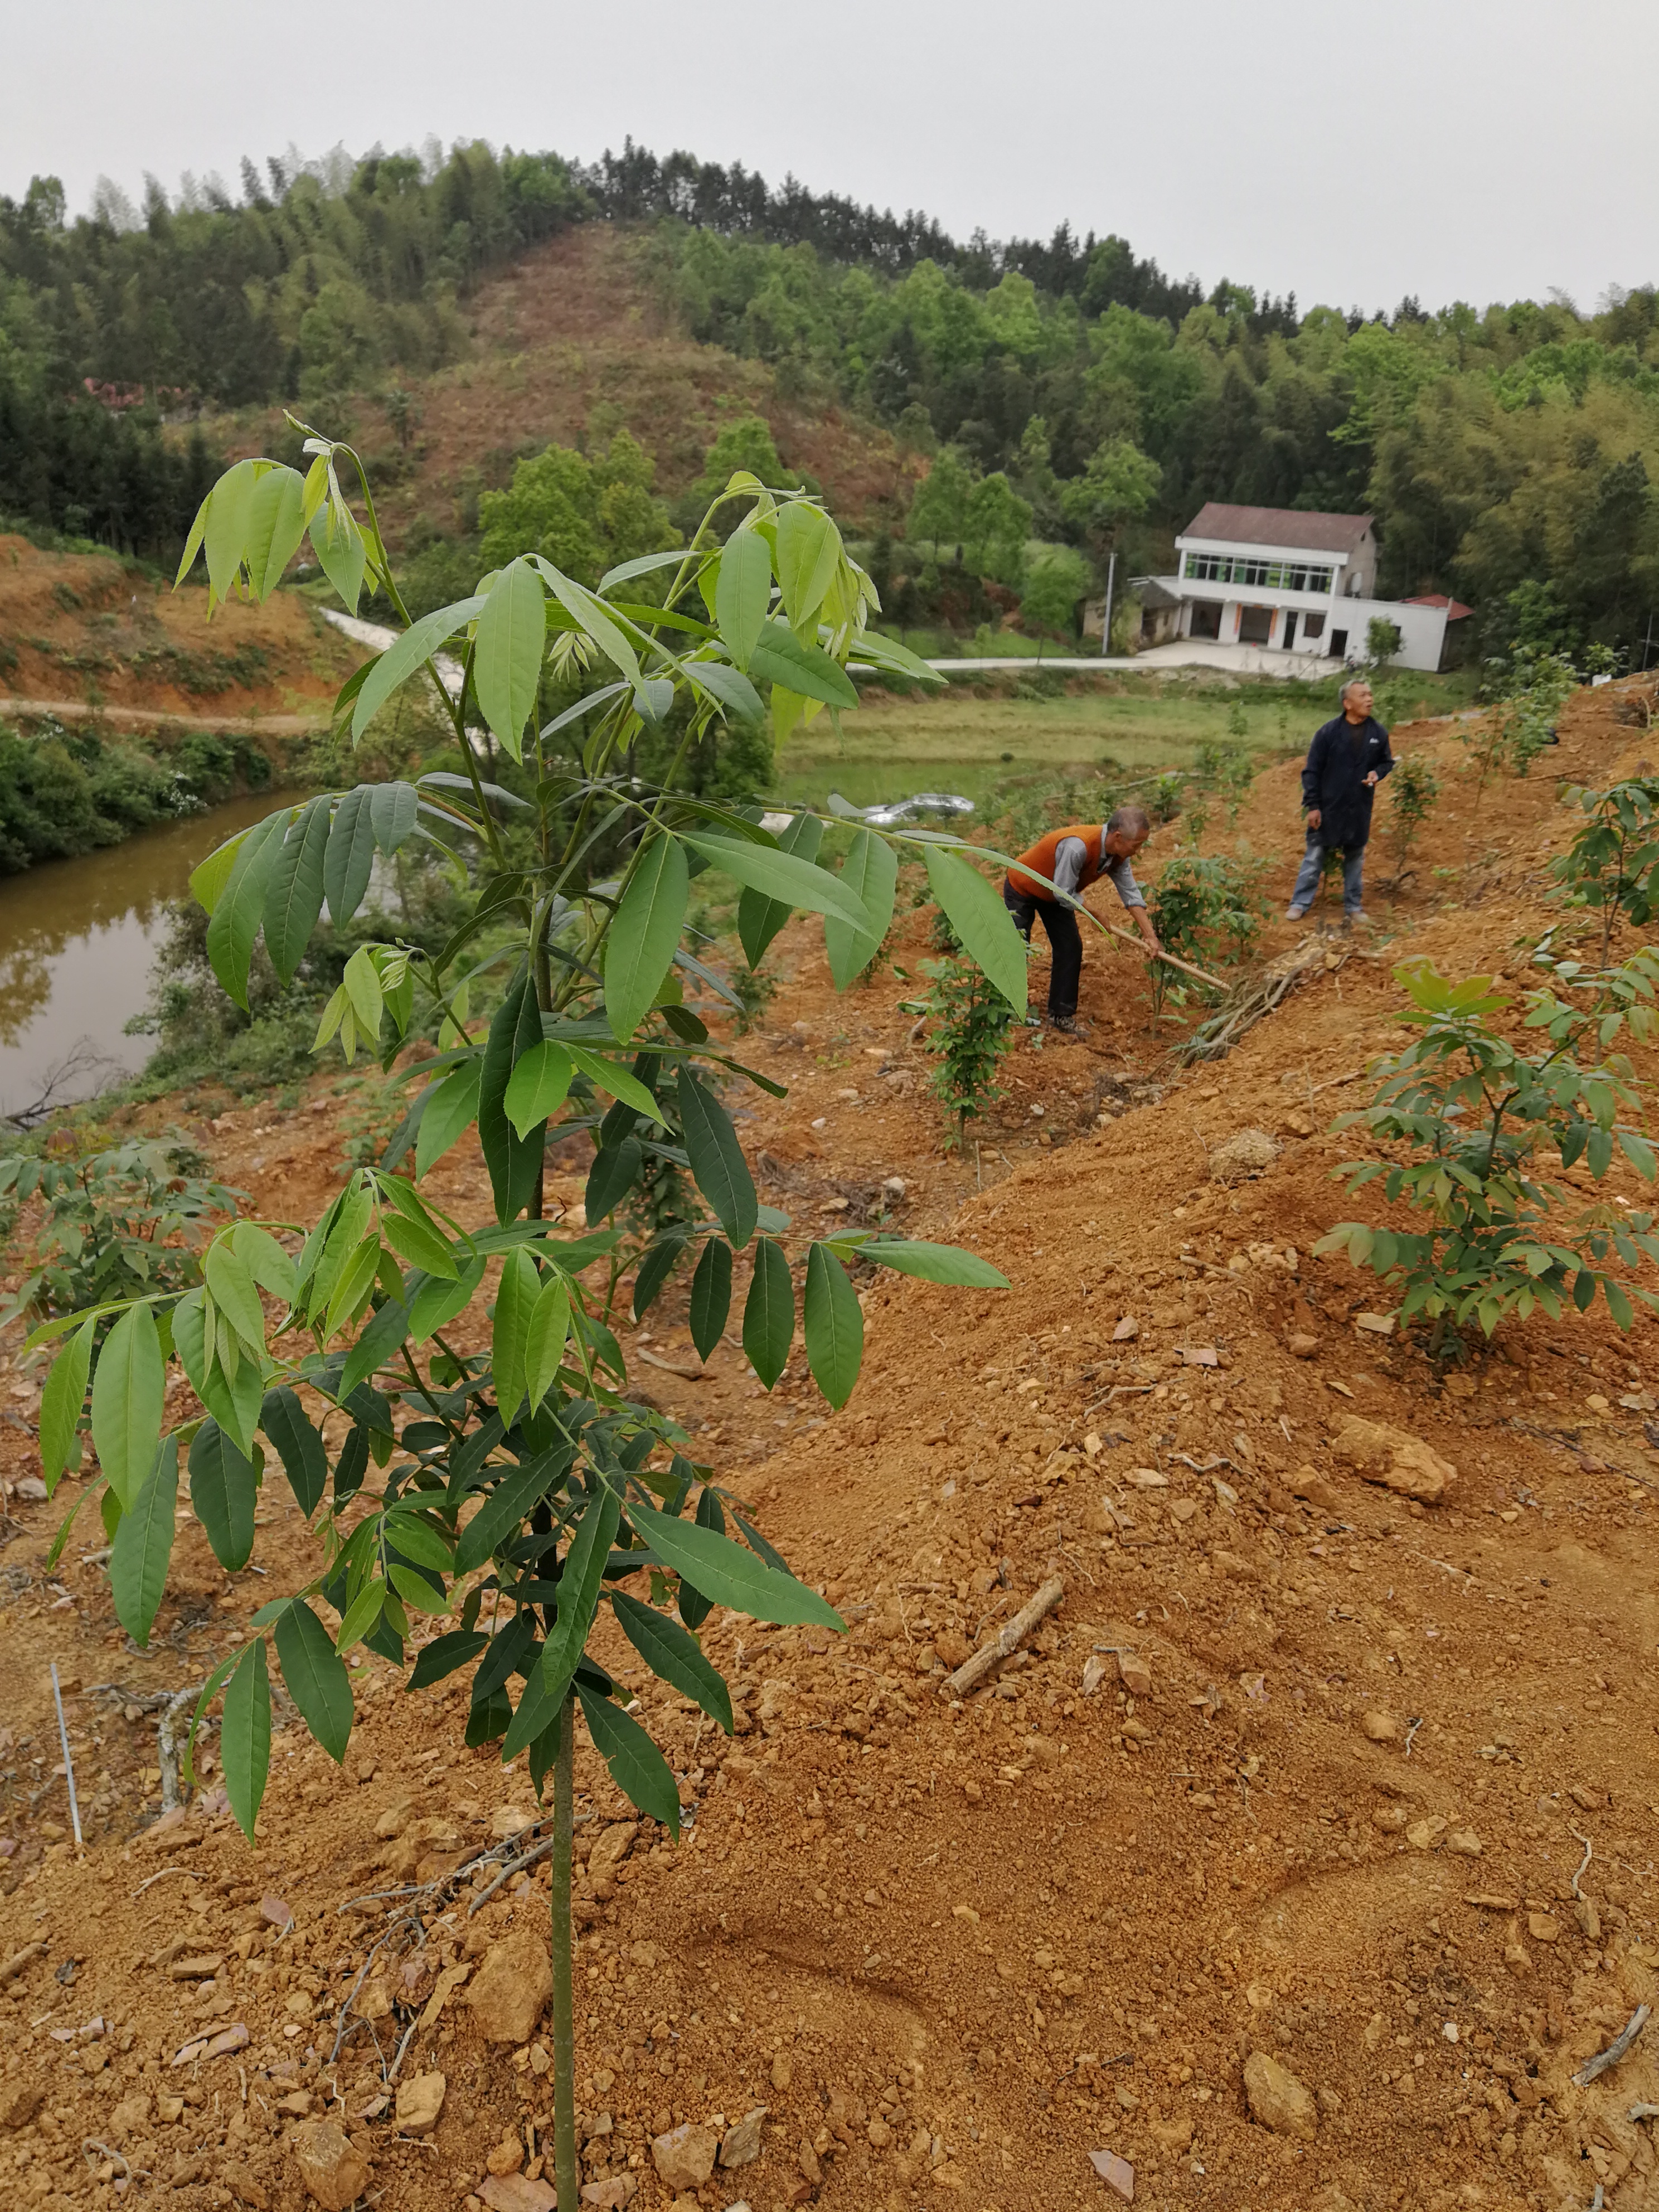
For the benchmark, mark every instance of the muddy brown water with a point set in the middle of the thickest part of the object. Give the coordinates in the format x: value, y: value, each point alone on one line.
x: 77, y: 938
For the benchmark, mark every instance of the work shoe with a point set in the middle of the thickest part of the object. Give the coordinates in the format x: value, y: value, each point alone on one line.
x: 1066, y: 1023
x: 1294, y: 913
x: 1356, y: 914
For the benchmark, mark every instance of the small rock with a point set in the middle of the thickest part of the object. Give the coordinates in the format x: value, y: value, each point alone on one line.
x: 1134, y: 1673
x: 783, y: 2071
x: 1376, y: 1324
x: 1126, y: 1330
x: 515, y: 2193
x: 1424, y: 1834
x: 1465, y: 1843
x: 878, y: 2134
x: 1398, y: 1460
x: 1517, y: 1957
x: 1094, y: 1674
x: 511, y: 1988
x: 1589, y: 1800
x: 741, y: 2145
x: 334, y: 2171
x: 1383, y: 1728
x: 1391, y: 1819
x: 508, y: 2157
x: 1277, y: 2099
x: 809, y: 2162
x: 1300, y: 1345
x: 684, y: 2157
x: 246, y: 2187
x: 32, y: 1489
x: 1588, y: 1919
x: 395, y: 1819
x: 19, y: 2103
x: 612, y: 2196
x: 1543, y: 1927
x: 610, y: 1847
x: 1309, y: 1484
x: 420, y: 2100
x: 1116, y: 2173
x: 1245, y: 1152
x: 952, y: 1647
x: 509, y: 1821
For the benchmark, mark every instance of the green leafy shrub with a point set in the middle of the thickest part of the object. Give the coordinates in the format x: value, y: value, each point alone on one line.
x: 1612, y: 866
x: 1479, y: 1119
x: 1206, y: 909
x: 128, y: 1221
x: 1413, y: 789
x: 530, y: 1481
x: 970, y: 1029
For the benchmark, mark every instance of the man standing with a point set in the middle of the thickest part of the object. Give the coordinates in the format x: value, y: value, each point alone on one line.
x: 1071, y: 859
x: 1347, y: 761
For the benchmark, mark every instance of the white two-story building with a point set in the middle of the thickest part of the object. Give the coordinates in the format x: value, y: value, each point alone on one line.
x: 1284, y: 581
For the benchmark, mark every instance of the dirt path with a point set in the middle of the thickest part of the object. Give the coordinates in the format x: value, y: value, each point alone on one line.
x: 1300, y: 1771
x: 164, y: 718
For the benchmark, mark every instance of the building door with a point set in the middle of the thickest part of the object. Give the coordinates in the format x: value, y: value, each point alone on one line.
x: 1205, y: 619
x: 1254, y: 625
x: 1290, y: 630
x: 1338, y: 645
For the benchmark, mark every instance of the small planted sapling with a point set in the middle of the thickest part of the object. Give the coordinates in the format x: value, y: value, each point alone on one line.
x: 490, y: 1501
x: 1473, y: 1128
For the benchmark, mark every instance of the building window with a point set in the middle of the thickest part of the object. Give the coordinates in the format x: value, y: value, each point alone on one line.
x: 1264, y: 575
x: 1313, y: 625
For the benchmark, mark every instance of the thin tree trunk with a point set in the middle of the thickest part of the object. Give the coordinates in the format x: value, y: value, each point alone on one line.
x: 564, y: 2028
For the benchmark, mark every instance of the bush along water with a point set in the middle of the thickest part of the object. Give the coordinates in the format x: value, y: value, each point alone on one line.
x: 503, y: 1511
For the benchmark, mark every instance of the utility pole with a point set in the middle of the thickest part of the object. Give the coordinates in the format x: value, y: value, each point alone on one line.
x: 1106, y: 623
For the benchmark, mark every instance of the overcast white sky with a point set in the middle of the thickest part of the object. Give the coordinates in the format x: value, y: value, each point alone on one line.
x: 1349, y: 150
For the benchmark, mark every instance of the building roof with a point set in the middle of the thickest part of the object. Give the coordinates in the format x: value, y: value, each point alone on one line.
x: 1278, y: 525
x: 1455, y: 611
x: 1152, y: 592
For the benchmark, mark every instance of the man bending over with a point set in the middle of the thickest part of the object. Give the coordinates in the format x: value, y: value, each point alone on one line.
x: 1072, y: 859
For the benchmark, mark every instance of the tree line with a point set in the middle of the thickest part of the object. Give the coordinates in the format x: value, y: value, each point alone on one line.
x: 1504, y: 450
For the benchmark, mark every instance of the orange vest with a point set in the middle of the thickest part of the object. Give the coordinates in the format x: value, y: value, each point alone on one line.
x: 1040, y: 856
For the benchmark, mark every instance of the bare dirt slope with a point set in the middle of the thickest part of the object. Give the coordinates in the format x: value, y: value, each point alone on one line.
x: 571, y: 324
x: 1299, y: 1774
x: 84, y: 633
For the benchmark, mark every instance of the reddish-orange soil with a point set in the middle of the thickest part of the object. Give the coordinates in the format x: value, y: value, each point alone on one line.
x: 1300, y: 1770
x: 90, y: 633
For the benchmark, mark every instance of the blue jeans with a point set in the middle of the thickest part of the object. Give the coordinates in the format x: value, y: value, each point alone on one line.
x: 1353, y: 871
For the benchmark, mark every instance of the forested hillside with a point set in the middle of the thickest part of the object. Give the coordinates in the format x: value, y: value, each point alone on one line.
x: 1058, y: 397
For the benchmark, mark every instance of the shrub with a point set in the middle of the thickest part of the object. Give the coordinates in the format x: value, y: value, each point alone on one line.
x: 1413, y: 789
x: 970, y: 1032
x: 1612, y: 863
x: 1206, y: 909
x: 1478, y: 1118
x: 125, y: 1222
x: 529, y: 1479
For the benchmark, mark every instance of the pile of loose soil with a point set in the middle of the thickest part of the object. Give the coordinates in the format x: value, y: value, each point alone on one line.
x: 1300, y: 1857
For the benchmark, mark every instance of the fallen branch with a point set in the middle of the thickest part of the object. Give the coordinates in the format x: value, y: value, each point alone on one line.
x: 68, y: 1763
x: 670, y: 1366
x: 972, y: 1672
x: 1615, y: 2051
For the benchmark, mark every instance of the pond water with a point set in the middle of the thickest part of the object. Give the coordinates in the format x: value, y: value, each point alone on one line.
x: 77, y: 940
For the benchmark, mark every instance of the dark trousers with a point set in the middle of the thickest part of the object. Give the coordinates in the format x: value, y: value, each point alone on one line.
x: 1064, y: 937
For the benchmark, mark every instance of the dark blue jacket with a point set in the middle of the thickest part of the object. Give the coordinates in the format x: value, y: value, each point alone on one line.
x: 1340, y: 757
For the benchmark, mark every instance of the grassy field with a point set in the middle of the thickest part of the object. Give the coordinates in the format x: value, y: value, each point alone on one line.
x: 956, y: 742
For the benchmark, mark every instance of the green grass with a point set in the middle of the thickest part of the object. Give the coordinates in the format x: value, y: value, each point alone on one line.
x: 953, y: 741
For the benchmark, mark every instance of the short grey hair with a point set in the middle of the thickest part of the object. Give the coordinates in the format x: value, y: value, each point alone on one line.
x: 1353, y: 684
x: 1133, y: 821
